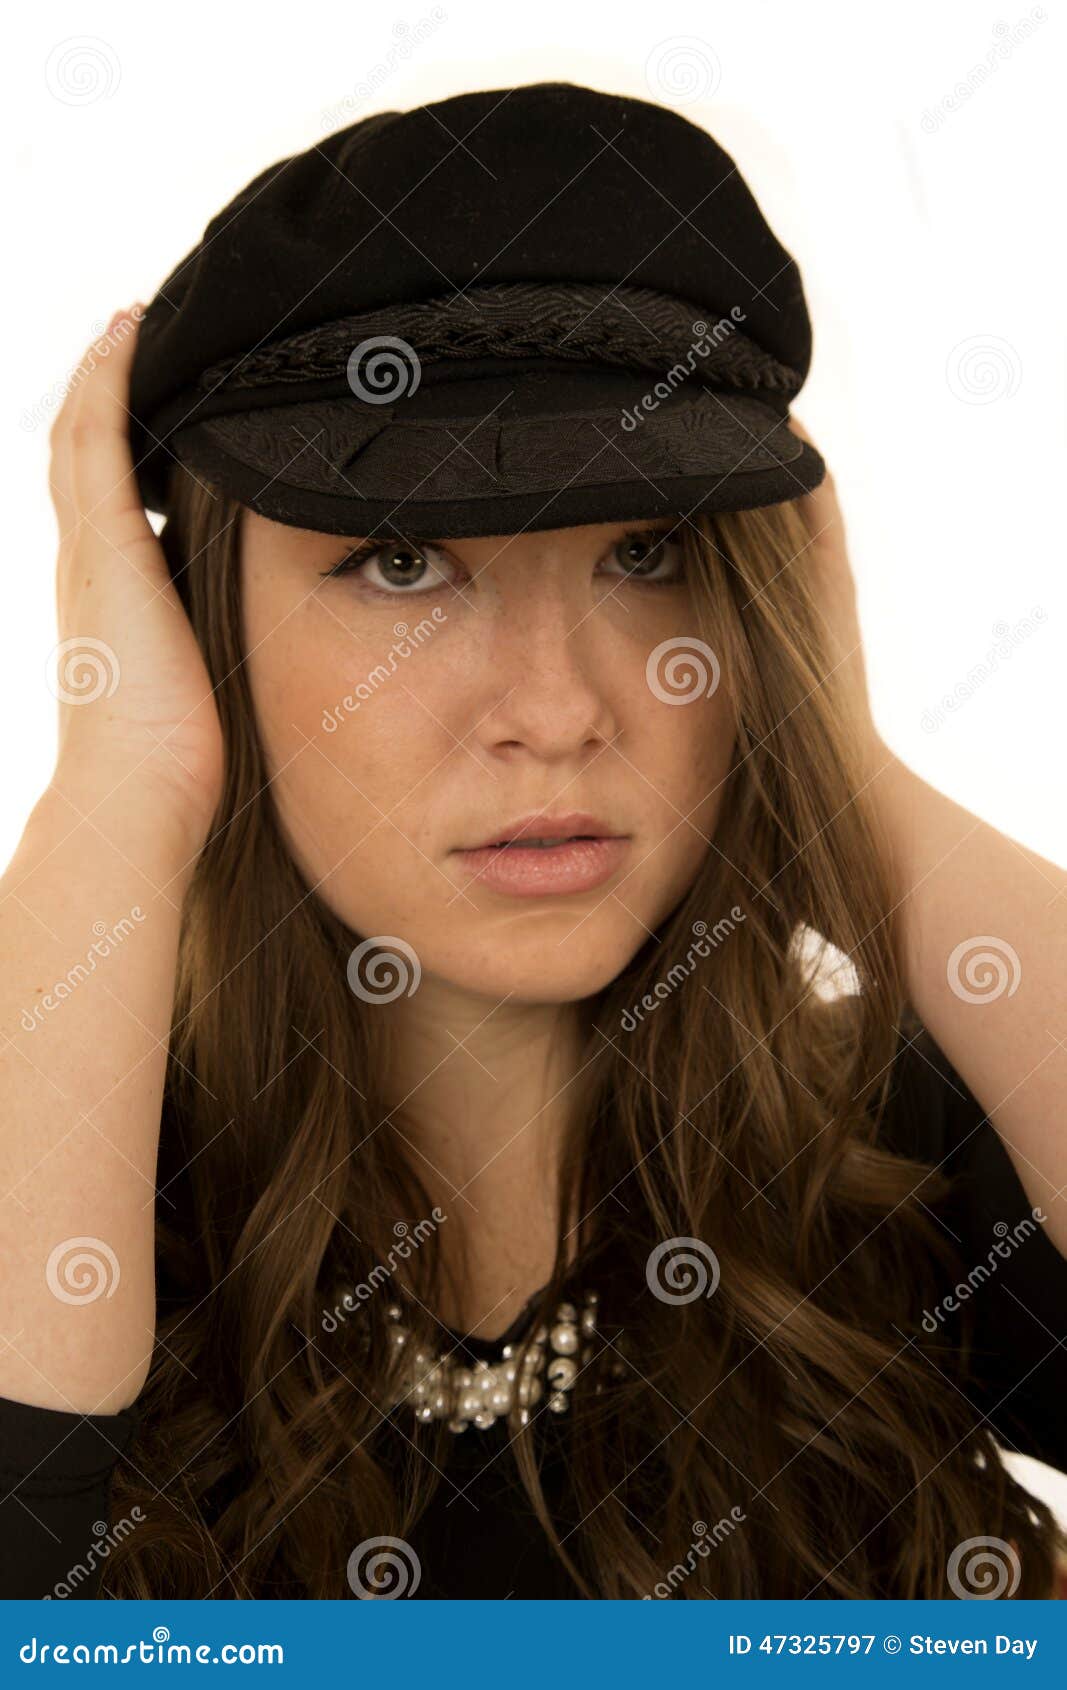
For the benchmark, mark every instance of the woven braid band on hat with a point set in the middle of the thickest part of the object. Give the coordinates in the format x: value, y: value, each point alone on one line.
x: 514, y: 390
x: 635, y: 328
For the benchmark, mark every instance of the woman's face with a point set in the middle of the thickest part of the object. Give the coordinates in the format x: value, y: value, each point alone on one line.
x: 420, y: 704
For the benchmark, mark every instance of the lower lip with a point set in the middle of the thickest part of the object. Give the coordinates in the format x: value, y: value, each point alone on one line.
x: 534, y: 871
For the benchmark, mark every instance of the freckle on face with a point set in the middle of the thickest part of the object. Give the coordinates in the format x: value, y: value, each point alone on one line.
x: 387, y: 756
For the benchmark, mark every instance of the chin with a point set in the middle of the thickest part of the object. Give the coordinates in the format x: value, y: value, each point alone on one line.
x: 536, y: 968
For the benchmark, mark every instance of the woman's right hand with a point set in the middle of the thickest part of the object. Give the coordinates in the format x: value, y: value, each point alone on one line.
x: 138, y: 722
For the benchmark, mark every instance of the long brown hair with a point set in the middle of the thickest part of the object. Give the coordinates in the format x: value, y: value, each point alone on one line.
x: 742, y: 1116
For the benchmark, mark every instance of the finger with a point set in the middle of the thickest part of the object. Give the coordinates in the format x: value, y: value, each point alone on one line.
x: 819, y: 507
x: 798, y: 428
x: 106, y: 497
x: 59, y: 469
x: 60, y: 473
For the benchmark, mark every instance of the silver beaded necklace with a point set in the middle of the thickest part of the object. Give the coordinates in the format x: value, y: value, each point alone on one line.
x: 443, y: 1387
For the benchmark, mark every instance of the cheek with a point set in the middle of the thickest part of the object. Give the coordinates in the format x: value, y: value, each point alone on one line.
x: 348, y: 738
x: 687, y: 753
x: 696, y: 744
x: 687, y: 745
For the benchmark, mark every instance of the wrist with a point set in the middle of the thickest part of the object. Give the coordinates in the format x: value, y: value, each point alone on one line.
x: 152, y: 836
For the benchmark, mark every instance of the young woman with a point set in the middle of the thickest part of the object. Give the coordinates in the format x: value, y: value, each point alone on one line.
x: 393, y: 1210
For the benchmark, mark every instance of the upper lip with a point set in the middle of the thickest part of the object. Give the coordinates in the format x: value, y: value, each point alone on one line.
x: 545, y: 825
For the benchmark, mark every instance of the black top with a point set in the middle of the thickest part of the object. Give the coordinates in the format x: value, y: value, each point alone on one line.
x: 55, y: 1467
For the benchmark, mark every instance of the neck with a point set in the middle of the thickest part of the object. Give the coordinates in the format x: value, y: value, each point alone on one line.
x: 482, y: 1094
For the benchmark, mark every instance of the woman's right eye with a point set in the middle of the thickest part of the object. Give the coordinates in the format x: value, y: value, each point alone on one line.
x: 399, y: 565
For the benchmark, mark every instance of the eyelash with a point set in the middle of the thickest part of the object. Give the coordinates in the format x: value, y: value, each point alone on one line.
x: 368, y: 548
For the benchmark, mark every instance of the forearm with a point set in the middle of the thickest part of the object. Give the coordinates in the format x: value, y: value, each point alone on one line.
x: 89, y: 916
x: 982, y: 932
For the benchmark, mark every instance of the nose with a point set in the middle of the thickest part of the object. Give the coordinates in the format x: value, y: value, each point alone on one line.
x: 551, y: 680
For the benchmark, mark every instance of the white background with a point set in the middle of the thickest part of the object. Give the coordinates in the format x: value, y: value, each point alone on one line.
x: 930, y: 240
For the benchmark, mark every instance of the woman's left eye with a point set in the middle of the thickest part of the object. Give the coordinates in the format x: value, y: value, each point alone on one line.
x: 644, y: 556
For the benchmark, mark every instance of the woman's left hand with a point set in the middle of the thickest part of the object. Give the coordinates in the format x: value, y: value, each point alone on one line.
x: 960, y: 890
x: 827, y: 556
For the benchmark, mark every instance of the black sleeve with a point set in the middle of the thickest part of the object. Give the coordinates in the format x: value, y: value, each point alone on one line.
x: 55, y: 1475
x: 1011, y: 1275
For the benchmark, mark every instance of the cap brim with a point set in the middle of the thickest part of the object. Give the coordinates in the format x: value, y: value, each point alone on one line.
x: 490, y: 454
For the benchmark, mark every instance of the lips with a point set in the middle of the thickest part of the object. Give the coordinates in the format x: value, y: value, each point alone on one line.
x: 523, y: 870
x: 543, y: 830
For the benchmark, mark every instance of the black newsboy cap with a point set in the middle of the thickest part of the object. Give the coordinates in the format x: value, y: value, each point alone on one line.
x: 520, y: 308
